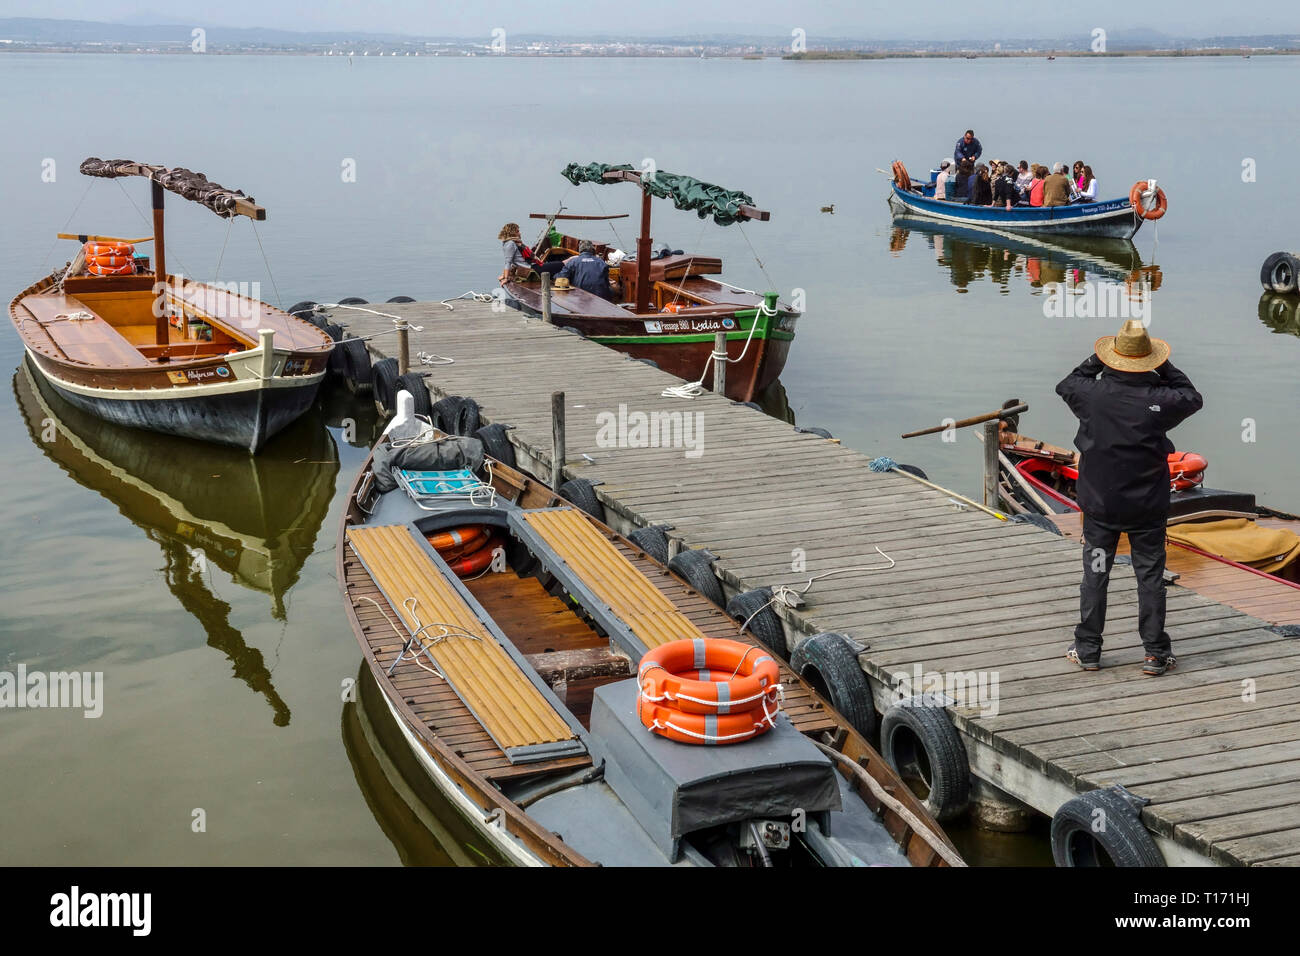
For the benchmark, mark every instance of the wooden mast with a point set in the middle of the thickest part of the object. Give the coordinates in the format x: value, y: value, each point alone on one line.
x: 643, y: 240
x: 161, y: 334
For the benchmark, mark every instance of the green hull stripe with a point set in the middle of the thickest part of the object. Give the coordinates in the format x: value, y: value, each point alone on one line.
x: 690, y: 338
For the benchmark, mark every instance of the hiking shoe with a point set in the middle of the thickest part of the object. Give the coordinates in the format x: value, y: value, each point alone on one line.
x: 1073, y: 655
x: 1155, y: 666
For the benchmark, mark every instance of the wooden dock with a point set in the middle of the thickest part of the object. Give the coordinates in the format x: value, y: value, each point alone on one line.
x: 1214, y: 745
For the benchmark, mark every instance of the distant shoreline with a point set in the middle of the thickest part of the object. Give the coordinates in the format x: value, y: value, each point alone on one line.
x: 811, y: 56
x: 1021, y: 54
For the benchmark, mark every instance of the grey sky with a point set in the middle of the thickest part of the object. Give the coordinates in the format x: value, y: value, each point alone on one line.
x: 838, y: 18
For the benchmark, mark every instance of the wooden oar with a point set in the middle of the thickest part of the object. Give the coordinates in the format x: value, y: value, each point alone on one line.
x: 84, y: 238
x: 978, y: 419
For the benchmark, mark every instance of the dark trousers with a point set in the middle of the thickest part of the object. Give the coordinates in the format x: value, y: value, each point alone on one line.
x: 1147, y: 547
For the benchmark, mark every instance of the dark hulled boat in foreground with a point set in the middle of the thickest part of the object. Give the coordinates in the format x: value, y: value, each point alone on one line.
x: 503, y: 627
x: 669, y: 309
x: 121, y: 338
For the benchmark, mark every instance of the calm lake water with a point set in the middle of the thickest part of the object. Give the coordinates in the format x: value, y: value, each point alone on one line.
x: 203, y: 586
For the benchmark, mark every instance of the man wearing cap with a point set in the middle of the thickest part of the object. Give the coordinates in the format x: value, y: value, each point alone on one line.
x: 587, y: 271
x: 1127, y: 397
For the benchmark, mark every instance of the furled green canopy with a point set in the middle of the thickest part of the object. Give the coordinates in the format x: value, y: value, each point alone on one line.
x: 685, y: 192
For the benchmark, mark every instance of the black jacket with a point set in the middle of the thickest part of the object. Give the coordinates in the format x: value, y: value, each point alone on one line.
x: 588, y: 272
x: 1124, y: 418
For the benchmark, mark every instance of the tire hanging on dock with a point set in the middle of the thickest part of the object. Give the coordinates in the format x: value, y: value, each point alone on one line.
x: 1280, y: 273
x: 653, y: 541
x: 919, y: 741
x: 444, y: 413
x: 467, y: 417
x: 307, y: 312
x: 496, y: 444
x: 696, y: 569
x: 412, y: 382
x: 383, y: 384
x: 755, y: 607
x: 829, y: 662
x: 335, y: 365
x: 401, y: 298
x: 353, y: 300
x: 356, y: 365
x: 581, y: 493
x: 1102, y: 822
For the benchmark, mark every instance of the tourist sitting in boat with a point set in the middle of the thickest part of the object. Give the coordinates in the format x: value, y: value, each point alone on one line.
x: 1088, y: 186
x: 520, y: 259
x: 1036, y: 190
x: 981, y: 189
x: 1057, y: 188
x: 1076, y: 173
x: 1024, y: 180
x: 965, y: 173
x: 587, y: 271
x: 967, y: 148
x: 1005, y: 193
x: 943, y: 182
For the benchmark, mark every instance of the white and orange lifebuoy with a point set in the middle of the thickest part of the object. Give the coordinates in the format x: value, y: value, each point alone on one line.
x: 901, y: 179
x: 1186, y: 470
x: 93, y: 249
x: 457, y: 537
x: 95, y: 269
x: 1137, y: 197
x: 475, y: 562
x: 110, y: 262
x: 703, y: 728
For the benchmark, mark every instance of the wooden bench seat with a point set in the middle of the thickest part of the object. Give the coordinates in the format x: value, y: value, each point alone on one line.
x: 520, y: 719
x: 91, y: 341
x: 618, y: 596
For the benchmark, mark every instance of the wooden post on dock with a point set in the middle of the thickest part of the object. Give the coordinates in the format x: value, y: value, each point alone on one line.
x: 991, y: 463
x: 403, y: 347
x: 557, y: 440
x: 546, y: 297
x: 720, y: 362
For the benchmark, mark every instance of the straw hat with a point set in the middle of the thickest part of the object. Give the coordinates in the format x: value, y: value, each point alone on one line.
x: 561, y: 284
x: 1132, y: 350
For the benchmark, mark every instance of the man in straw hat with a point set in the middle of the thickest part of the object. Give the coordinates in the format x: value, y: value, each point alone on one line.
x: 1127, y: 397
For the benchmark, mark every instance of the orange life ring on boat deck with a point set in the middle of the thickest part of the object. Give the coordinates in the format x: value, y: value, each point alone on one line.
x: 111, y: 261
x: 457, y: 537
x: 1135, y: 199
x: 476, y: 562
x: 674, y: 307
x: 901, y: 179
x: 461, y: 551
x: 703, y: 728
x: 96, y: 269
x: 709, y: 676
x: 108, y: 249
x: 1186, y: 470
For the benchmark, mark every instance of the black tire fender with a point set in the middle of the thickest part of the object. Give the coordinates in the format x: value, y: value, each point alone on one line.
x: 829, y: 663
x: 913, y: 470
x: 353, y: 300
x: 1276, y: 279
x: 496, y: 443
x: 443, y: 414
x: 653, y: 541
x: 918, y: 740
x: 467, y: 417
x: 413, y: 383
x: 401, y: 298
x: 1102, y: 821
x: 356, y: 365
x: 755, y: 607
x: 383, y: 383
x: 696, y: 569
x: 581, y: 493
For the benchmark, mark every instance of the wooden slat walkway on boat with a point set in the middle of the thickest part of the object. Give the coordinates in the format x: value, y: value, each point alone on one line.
x: 1214, y: 744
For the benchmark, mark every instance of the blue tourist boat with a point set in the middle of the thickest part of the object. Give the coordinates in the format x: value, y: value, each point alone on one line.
x: 1109, y: 218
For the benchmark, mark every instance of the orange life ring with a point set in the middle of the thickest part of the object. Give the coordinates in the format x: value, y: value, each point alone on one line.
x: 1186, y: 470
x: 108, y: 249
x: 111, y: 262
x: 1135, y: 199
x: 703, y: 728
x: 473, y: 563
x: 96, y: 269
x: 457, y: 537
x: 901, y: 179
x: 681, y: 674
x: 674, y: 307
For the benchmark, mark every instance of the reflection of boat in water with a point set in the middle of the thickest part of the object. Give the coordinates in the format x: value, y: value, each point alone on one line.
x: 256, y: 518
x: 971, y: 252
x: 424, y: 828
x: 1281, y: 313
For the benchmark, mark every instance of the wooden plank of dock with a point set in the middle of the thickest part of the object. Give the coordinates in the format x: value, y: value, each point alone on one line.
x: 1214, y: 744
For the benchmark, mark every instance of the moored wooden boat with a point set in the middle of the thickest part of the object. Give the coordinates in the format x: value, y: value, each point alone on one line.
x: 1221, y: 543
x: 135, y: 345
x: 668, y: 309
x: 519, y: 704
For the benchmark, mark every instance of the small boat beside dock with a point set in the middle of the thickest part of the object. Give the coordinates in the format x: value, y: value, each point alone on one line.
x: 670, y: 308
x: 504, y: 626
x: 1106, y: 219
x: 121, y: 338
